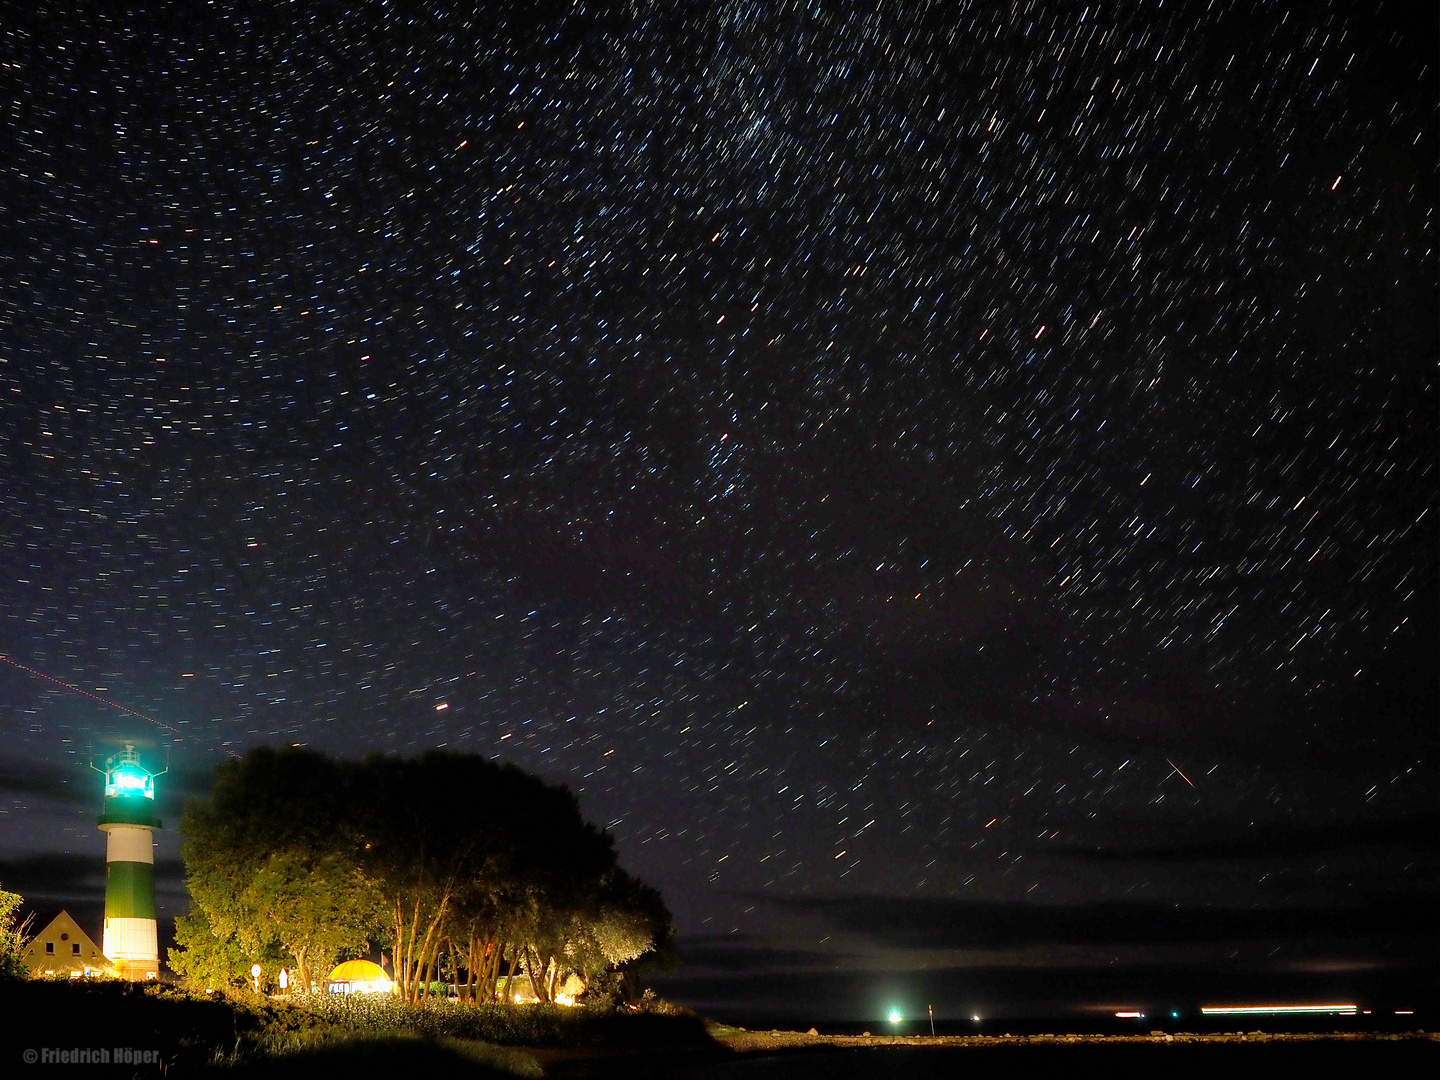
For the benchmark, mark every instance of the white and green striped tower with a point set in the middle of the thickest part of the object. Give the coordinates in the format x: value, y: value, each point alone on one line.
x: 129, y: 823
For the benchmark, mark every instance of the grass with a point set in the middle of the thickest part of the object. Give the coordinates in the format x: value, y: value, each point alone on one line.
x: 506, y: 1025
x: 315, y: 1053
x: 200, y: 1035
x: 319, y: 1034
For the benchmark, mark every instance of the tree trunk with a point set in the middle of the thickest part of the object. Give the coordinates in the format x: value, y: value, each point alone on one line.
x: 397, y: 949
x: 467, y: 995
x: 410, y: 954
x: 433, y: 972
x: 484, y: 984
x: 302, y: 969
x: 492, y: 969
x: 530, y: 973
x: 541, y: 984
x: 431, y: 931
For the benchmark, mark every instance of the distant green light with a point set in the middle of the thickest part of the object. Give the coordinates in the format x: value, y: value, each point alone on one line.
x: 895, y: 1016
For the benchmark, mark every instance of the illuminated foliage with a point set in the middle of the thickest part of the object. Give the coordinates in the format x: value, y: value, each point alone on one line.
x: 271, y: 870
x: 12, y: 936
x: 205, y: 959
x: 315, y: 907
x: 458, y: 866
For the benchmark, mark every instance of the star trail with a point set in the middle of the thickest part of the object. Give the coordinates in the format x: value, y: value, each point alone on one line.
x: 859, y: 448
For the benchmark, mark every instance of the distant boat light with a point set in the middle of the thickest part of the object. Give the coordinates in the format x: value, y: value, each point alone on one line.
x: 895, y: 1016
x: 1278, y: 1010
x: 1129, y: 1015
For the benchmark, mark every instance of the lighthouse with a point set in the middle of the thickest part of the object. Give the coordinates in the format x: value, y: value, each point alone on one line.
x: 129, y: 824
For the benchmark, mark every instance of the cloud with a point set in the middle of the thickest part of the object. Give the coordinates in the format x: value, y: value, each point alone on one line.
x: 181, y: 783
x: 725, y: 954
x: 52, y: 877
x: 1420, y: 831
x: 30, y: 777
x: 913, y: 923
x: 73, y: 781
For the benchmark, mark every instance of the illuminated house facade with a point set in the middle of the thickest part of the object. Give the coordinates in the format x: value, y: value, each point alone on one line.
x: 63, y: 950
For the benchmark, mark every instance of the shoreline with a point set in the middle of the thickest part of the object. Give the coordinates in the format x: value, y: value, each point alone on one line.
x: 783, y: 1054
x: 743, y: 1041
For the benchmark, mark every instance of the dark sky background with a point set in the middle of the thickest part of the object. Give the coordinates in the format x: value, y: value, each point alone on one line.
x: 951, y: 487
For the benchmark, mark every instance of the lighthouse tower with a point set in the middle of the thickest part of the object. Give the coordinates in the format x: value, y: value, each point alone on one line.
x: 129, y: 823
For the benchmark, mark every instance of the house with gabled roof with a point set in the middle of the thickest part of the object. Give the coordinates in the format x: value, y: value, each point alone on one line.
x: 63, y: 950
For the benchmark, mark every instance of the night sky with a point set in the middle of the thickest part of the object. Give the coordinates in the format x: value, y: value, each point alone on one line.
x: 951, y: 487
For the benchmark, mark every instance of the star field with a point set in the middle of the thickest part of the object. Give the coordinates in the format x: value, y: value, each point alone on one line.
x: 855, y: 446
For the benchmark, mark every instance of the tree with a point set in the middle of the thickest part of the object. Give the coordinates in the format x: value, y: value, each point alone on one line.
x: 204, y: 959
x: 315, y: 906
x: 418, y: 850
x: 459, y: 865
x: 272, y: 867
x: 661, y: 956
x: 14, y: 936
x: 622, y: 920
x: 491, y: 854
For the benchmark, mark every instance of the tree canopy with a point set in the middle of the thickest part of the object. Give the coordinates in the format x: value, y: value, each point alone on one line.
x: 13, y: 934
x: 460, y: 867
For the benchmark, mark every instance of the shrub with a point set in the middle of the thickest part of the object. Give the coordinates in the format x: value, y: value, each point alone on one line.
x: 661, y: 1024
x: 14, y: 936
